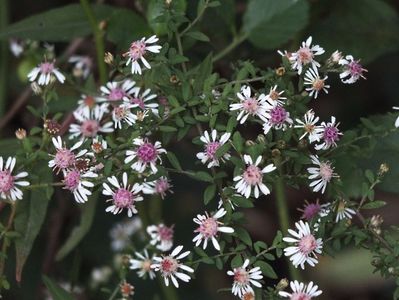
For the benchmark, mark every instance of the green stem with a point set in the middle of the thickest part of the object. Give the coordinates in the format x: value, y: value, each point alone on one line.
x: 180, y: 49
x: 283, y: 215
x: 115, y: 292
x: 98, y: 38
x: 169, y: 292
x: 3, y: 57
x: 6, y: 242
x: 199, y: 16
x: 236, y: 42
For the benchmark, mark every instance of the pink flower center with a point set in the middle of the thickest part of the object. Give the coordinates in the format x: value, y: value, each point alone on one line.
x: 139, y: 102
x: 278, y: 115
x: 305, y: 55
x: 318, y: 84
x: 330, y: 134
x: 64, y: 158
x: 6, y: 181
x: 168, y: 265
x: 211, y: 149
x: 137, y: 50
x: 89, y: 128
x: 120, y: 112
x: 147, y: 152
x: 46, y: 67
x: 89, y: 101
x: 208, y: 228
x: 300, y: 296
x: 253, y: 175
x: 123, y: 198
x: 311, y: 210
x: 307, y: 244
x: 241, y: 276
x: 116, y: 94
x: 165, y: 233
x: 250, y: 105
x: 355, y: 69
x: 274, y: 95
x: 146, y: 265
x: 326, y: 172
x: 71, y: 180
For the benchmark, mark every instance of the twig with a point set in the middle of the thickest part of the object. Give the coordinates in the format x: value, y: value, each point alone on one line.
x: 199, y: 16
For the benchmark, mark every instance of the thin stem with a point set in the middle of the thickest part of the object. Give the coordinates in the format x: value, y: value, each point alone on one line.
x: 199, y: 16
x: 236, y: 42
x: 42, y: 185
x: 115, y: 291
x: 98, y: 38
x: 168, y: 291
x: 283, y: 215
x: 260, y: 78
x: 6, y: 242
x: 3, y: 57
x: 180, y: 49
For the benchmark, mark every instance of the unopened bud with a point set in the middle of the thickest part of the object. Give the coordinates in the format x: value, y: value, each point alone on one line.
x: 108, y: 58
x: 126, y: 260
x: 276, y: 153
x: 261, y: 139
x: 391, y: 270
x: 280, y: 71
x: 335, y: 57
x: 102, y: 25
x: 249, y: 143
x: 376, y: 262
x: 282, y: 284
x: 303, y: 144
x: 168, y: 2
x: 384, y: 168
x: 376, y: 221
x: 37, y: 90
x: 20, y: 133
x: 174, y: 79
x: 281, y: 144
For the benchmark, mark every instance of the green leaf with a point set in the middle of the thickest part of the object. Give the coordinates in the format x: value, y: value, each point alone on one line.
x: 9, y: 147
x: 266, y: 269
x: 80, y: 231
x: 164, y: 128
x: 350, y: 26
x: 243, y: 235
x: 156, y: 9
x: 196, y: 35
x: 173, y: 160
x: 30, y: 216
x: 209, y: 193
x: 203, y: 176
x: 374, y: 204
x: 270, y: 23
x: 59, y: 24
x: 57, y: 292
x: 124, y: 26
x: 204, y: 70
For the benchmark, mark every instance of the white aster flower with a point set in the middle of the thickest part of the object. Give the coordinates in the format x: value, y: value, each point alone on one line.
x: 117, y: 90
x: 344, y: 212
x: 315, y: 82
x: 305, y: 56
x: 123, y: 113
x: 161, y: 236
x: 143, y: 100
x: 278, y: 118
x: 249, y: 105
x: 305, y: 248
x: 209, y: 227
x: 274, y: 97
x: 309, y: 126
x: 124, y: 196
x: 212, y: 144
x: 329, y: 133
x: 171, y: 268
x: 143, y: 264
x: 9, y: 182
x: 82, y: 65
x: 121, y: 232
x: 158, y: 187
x: 244, y: 279
x: 138, y: 49
x: 16, y: 47
x: 79, y: 183
x: 353, y: 70
x: 90, y: 122
x: 252, y: 177
x: 321, y: 174
x: 88, y: 102
x: 98, y: 145
x: 301, y: 291
x: 47, y: 70
x: 146, y: 154
x: 65, y: 158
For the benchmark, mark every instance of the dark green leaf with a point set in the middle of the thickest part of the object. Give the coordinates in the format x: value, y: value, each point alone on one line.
x: 57, y: 292
x: 266, y: 269
x: 374, y: 204
x: 173, y: 160
x: 209, y: 193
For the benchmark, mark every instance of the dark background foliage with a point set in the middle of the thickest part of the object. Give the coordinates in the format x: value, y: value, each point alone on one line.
x: 368, y: 29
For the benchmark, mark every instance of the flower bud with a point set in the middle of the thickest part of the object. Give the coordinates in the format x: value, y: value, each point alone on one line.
x: 248, y: 296
x: 249, y: 143
x: 280, y: 71
x: 126, y: 289
x: 261, y: 139
x: 282, y: 284
x: 102, y: 25
x: 20, y: 133
x: 52, y: 126
x: 108, y: 58
x: 303, y: 144
x: 335, y: 57
x: 281, y: 144
x: 384, y: 168
x: 376, y: 221
x: 174, y: 79
x: 276, y: 153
